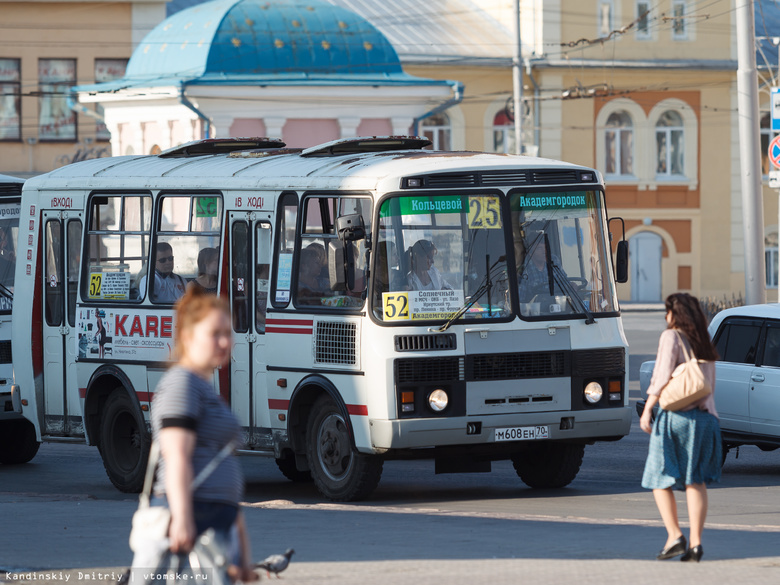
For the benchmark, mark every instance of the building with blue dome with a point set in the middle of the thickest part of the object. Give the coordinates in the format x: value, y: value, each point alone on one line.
x: 303, y: 70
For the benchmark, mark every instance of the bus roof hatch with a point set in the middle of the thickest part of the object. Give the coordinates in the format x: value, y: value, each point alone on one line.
x: 219, y: 146
x: 367, y: 144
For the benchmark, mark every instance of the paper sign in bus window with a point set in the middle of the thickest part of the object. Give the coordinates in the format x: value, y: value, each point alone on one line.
x: 109, y: 285
x: 421, y: 304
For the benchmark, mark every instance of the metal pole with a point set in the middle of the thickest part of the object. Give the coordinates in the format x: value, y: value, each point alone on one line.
x: 750, y: 155
x: 517, y: 84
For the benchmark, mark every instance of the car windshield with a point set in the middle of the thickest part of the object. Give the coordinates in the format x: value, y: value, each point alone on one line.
x: 436, y: 254
x: 561, y: 253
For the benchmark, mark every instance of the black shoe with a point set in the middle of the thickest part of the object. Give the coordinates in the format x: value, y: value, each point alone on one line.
x: 693, y: 554
x: 678, y: 547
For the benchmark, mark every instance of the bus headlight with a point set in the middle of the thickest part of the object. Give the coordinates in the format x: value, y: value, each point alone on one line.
x: 593, y: 392
x: 438, y: 400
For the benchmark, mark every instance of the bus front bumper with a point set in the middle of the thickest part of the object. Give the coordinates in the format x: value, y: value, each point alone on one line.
x: 586, y: 426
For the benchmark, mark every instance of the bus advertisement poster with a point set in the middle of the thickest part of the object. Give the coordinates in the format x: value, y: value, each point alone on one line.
x: 124, y: 334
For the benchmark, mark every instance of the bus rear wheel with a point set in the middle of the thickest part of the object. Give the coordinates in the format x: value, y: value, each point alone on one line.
x: 549, y: 465
x: 18, y: 443
x: 124, y: 443
x: 339, y: 472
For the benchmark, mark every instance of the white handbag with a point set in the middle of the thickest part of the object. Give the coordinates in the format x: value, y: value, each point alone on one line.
x: 151, y: 523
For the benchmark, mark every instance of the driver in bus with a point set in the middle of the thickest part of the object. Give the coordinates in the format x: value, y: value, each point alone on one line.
x: 168, y: 286
x: 533, y: 279
x: 423, y: 274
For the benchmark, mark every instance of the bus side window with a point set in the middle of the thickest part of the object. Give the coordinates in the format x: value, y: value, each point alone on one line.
x: 262, y: 273
x: 53, y: 284
x: 240, y: 281
x: 287, y: 216
x: 73, y: 263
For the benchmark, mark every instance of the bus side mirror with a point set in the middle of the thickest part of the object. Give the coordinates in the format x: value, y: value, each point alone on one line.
x: 621, y: 262
x: 336, y: 272
x: 350, y: 228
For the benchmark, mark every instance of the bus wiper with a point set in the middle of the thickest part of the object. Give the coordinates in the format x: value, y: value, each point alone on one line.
x: 486, y: 285
x: 563, y: 282
x: 6, y: 292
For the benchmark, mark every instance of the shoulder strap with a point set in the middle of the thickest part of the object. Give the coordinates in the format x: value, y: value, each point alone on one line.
x: 683, y: 342
x: 154, y: 460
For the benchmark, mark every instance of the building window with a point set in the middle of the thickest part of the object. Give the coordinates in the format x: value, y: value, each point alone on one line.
x: 107, y: 70
x: 605, y: 17
x: 670, y: 141
x: 437, y: 129
x: 770, y: 257
x: 766, y: 138
x: 679, y: 30
x: 10, y: 100
x: 642, y: 23
x: 57, y: 121
x: 503, y: 133
x: 619, y: 144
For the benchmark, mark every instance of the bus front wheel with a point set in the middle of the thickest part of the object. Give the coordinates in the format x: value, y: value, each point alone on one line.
x: 18, y: 443
x: 339, y: 472
x: 286, y: 465
x: 549, y: 465
x: 124, y: 443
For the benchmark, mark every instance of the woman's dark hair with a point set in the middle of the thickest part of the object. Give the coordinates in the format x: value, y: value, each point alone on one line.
x: 205, y: 257
x: 688, y: 317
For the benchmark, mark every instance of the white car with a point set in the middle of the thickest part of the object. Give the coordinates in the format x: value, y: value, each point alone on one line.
x: 747, y: 382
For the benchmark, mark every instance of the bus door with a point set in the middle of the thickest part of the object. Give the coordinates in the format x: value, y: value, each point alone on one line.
x: 62, y: 254
x: 250, y: 249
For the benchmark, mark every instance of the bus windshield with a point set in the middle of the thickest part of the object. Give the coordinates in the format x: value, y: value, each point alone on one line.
x: 561, y: 254
x: 435, y: 254
x: 9, y: 229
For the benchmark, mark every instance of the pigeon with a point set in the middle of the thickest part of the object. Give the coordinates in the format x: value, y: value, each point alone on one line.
x: 276, y: 563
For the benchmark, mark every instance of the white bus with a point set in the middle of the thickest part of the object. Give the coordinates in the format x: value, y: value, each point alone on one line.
x: 18, y: 443
x: 380, y: 296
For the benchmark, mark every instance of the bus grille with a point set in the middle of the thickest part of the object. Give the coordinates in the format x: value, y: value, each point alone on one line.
x: 516, y: 366
x: 598, y: 362
x: 434, y: 342
x: 413, y: 371
x: 552, y: 177
x: 335, y: 343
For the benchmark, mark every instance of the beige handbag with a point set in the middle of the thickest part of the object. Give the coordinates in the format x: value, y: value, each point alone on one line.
x: 687, y: 384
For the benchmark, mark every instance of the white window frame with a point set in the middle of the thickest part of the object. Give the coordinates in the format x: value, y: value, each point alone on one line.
x: 618, y: 137
x: 643, y: 6
x: 605, y: 17
x: 437, y: 131
x: 690, y: 144
x: 681, y: 35
x: 669, y: 131
x: 641, y: 173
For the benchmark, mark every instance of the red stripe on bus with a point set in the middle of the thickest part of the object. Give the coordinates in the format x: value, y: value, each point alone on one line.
x: 357, y: 409
x: 354, y: 409
x: 287, y: 330
x: 145, y: 396
x: 308, y: 323
x: 277, y: 404
x: 82, y: 392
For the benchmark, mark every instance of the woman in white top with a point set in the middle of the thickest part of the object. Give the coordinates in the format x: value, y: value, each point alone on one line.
x: 685, y: 451
x: 423, y: 274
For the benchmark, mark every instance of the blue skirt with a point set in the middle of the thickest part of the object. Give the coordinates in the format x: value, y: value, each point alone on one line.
x: 685, y: 448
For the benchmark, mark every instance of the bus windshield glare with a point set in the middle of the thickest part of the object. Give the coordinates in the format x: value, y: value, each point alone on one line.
x: 436, y: 255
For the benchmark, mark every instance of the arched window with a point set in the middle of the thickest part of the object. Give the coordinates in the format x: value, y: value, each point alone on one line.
x: 619, y: 144
x: 437, y: 129
x: 670, y: 145
x: 503, y: 133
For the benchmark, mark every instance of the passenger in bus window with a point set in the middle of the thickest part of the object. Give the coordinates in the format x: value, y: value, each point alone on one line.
x: 168, y: 286
x: 208, y: 269
x: 423, y: 274
x: 388, y: 274
x: 322, y: 261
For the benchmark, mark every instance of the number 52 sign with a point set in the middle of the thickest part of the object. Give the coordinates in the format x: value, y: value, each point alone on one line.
x: 396, y: 306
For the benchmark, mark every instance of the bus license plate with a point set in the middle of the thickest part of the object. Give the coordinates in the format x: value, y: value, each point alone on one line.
x: 522, y: 433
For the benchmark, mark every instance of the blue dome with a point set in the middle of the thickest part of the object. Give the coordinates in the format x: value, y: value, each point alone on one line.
x: 230, y: 38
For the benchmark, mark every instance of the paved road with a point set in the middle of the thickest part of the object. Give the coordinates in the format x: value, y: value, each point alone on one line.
x: 60, y: 513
